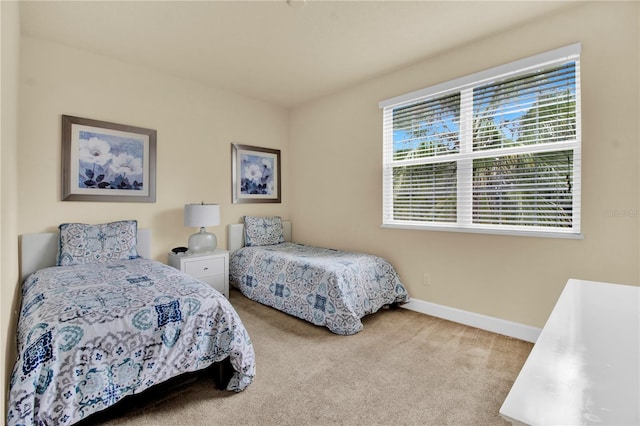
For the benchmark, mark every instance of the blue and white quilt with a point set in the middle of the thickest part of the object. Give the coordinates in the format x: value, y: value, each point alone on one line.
x: 91, y: 334
x: 326, y: 287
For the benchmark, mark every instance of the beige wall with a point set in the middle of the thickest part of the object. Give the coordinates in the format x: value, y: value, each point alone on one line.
x: 9, y: 188
x: 196, y: 126
x: 336, y: 151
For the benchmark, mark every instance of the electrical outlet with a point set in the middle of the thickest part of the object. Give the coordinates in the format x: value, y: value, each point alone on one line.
x: 426, y: 280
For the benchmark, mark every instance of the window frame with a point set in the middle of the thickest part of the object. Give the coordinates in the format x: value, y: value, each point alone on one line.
x: 465, y: 86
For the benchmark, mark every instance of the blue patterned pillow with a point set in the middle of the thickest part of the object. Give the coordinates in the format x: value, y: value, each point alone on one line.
x: 81, y: 243
x: 263, y: 231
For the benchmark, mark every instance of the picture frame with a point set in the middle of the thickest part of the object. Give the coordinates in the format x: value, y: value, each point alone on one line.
x: 110, y: 162
x: 255, y: 174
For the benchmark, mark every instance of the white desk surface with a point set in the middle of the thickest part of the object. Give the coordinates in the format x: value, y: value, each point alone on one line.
x: 584, y: 368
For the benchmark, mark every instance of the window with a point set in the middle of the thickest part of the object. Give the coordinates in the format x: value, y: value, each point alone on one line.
x: 494, y: 152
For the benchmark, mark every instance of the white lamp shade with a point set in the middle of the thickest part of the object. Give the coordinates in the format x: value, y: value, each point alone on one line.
x: 199, y: 215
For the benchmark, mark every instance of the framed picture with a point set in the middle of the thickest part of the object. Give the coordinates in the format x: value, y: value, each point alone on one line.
x: 255, y: 174
x: 104, y: 161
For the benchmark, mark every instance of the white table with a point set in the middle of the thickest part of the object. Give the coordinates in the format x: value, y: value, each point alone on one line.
x: 584, y: 369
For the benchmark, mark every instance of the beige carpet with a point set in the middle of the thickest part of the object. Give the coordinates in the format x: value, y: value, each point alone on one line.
x: 404, y: 368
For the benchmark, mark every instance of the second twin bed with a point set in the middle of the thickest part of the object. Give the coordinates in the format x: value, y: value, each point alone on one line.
x: 326, y: 287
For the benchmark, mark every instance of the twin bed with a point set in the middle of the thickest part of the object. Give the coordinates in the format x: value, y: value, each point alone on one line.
x: 106, y: 323
x: 326, y: 287
x: 99, y: 321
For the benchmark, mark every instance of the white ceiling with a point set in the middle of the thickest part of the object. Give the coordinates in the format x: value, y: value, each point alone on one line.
x: 280, y: 52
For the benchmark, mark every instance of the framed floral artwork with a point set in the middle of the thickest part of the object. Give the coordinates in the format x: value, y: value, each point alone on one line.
x: 104, y: 161
x: 255, y: 174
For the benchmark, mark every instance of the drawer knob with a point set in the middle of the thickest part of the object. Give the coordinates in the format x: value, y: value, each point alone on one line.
x: 206, y: 268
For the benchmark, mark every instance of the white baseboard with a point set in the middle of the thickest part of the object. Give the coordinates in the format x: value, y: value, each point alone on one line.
x: 483, y: 322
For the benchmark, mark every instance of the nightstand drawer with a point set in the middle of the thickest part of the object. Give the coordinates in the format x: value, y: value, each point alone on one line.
x: 204, y: 267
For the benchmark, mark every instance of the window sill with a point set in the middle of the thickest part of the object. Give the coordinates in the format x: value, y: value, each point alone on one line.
x: 511, y: 232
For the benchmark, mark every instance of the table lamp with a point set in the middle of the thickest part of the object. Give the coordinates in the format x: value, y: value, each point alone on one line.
x: 199, y: 216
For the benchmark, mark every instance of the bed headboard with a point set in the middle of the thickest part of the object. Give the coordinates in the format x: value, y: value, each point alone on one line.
x: 236, y: 234
x: 39, y: 251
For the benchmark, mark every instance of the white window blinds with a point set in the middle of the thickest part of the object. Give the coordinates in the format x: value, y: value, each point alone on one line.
x: 497, y: 151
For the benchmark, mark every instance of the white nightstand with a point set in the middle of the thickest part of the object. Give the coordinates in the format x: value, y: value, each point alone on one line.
x: 211, y: 268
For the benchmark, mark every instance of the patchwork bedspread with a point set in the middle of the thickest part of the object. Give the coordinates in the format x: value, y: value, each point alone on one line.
x: 89, y: 335
x: 325, y: 287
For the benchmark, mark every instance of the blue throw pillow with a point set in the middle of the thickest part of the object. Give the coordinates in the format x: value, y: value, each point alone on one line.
x: 81, y: 243
x: 263, y: 231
